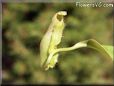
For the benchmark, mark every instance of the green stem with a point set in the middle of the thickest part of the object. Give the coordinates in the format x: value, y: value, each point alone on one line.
x: 87, y: 43
x: 76, y: 46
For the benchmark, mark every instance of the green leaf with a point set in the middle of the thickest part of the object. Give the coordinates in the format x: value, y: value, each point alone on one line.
x: 110, y: 50
x: 107, y: 51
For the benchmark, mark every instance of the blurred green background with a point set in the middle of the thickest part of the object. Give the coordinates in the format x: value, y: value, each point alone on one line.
x: 24, y: 25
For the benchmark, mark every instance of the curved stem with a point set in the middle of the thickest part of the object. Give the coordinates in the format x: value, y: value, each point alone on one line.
x: 87, y: 43
x: 76, y: 46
